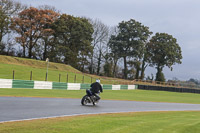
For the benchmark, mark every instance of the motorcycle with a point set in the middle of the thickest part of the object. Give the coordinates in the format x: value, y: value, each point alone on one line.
x: 90, y: 98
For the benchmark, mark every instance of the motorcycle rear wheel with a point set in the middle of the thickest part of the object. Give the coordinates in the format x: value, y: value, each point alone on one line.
x: 84, y: 100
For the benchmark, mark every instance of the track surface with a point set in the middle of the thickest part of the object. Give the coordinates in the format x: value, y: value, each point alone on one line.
x: 22, y: 108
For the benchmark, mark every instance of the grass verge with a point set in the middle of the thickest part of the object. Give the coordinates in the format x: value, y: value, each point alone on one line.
x: 133, y: 95
x: 140, y: 122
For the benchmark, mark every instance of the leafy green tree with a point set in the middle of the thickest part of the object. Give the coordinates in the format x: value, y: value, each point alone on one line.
x: 163, y: 50
x: 108, y: 66
x: 144, y: 62
x: 135, y: 64
x: 114, y: 46
x: 130, y: 40
x: 73, y: 39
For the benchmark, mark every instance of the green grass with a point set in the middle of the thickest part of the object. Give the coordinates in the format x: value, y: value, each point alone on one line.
x: 23, y: 73
x: 134, y: 95
x: 143, y: 122
x: 22, y: 68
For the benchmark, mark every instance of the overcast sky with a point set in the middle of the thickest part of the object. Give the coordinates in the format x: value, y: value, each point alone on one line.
x: 180, y: 18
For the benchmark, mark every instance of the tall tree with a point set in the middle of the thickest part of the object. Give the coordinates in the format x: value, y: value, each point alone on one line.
x: 8, y: 9
x: 100, y: 37
x: 73, y: 37
x: 114, y: 49
x: 163, y: 50
x: 31, y: 24
x: 144, y: 61
x: 131, y: 37
x: 47, y: 34
x: 114, y: 46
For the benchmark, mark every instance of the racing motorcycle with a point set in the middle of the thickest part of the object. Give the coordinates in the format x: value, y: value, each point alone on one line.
x: 90, y: 98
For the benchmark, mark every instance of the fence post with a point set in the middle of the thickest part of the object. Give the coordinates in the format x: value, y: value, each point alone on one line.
x: 31, y: 76
x: 46, y: 77
x: 91, y: 79
x: 67, y: 77
x: 75, y: 78
x: 83, y: 79
x: 13, y: 74
x: 59, y: 77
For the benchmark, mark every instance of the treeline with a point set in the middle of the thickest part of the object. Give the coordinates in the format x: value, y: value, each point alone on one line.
x: 89, y: 45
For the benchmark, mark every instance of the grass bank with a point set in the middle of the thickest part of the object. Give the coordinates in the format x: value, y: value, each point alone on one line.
x: 133, y: 95
x: 22, y: 68
x: 143, y: 122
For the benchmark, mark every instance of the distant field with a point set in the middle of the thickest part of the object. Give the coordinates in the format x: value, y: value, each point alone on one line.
x: 143, y: 122
x: 134, y: 95
x: 23, y: 68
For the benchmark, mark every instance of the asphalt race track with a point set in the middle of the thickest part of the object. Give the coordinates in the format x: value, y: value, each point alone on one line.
x: 25, y: 108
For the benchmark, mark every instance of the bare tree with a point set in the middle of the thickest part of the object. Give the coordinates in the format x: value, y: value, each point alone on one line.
x: 100, y: 39
x: 8, y: 9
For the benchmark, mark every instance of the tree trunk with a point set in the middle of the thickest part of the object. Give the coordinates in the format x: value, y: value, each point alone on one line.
x: 159, y: 74
x: 137, y: 72
x: 1, y: 36
x: 143, y: 69
x: 30, y: 48
x: 30, y: 52
x: 45, y: 49
x: 114, y: 68
x: 99, y: 63
x: 91, y: 65
x: 24, y: 51
x: 125, y: 68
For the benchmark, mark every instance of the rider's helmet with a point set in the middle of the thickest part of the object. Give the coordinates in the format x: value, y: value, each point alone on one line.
x: 97, y: 80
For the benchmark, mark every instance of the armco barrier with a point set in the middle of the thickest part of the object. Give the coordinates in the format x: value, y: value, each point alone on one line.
x: 107, y: 87
x: 42, y: 85
x: 6, y: 83
x: 85, y: 86
x: 57, y: 85
x: 9, y: 83
x: 131, y: 87
x: 22, y: 84
x: 115, y: 87
x: 172, y: 89
x: 123, y: 87
x: 74, y: 86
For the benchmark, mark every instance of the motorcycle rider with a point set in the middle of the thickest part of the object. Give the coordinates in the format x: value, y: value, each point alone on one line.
x: 95, y: 88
